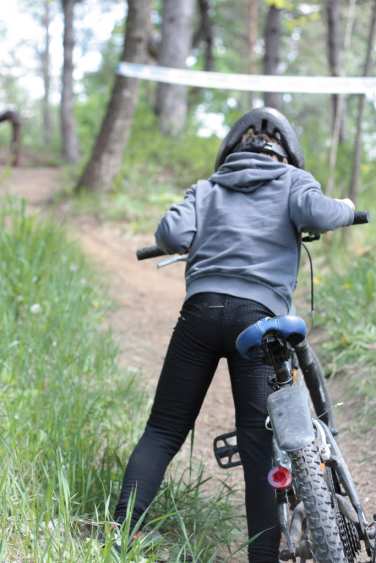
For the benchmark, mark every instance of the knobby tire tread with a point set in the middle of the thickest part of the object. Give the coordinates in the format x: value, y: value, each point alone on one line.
x: 312, y: 489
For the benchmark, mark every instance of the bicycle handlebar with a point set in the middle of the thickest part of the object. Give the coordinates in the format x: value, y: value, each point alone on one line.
x: 360, y: 218
x: 149, y: 252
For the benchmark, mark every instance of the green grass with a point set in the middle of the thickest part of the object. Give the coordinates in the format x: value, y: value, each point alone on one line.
x: 60, y: 387
x: 204, y: 526
x: 69, y: 416
x: 347, y: 312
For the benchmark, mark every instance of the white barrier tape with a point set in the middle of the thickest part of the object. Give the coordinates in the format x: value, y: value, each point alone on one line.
x: 250, y: 82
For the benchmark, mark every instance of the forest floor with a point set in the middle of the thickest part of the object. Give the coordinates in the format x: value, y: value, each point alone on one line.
x: 146, y: 304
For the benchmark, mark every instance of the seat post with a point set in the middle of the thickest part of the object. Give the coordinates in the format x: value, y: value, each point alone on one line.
x: 278, y: 353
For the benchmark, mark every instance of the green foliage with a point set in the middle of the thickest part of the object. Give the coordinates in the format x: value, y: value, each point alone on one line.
x: 97, y: 86
x: 67, y: 413
x: 155, y: 173
x: 280, y: 4
x: 352, y: 325
x: 183, y: 159
x: 59, y: 387
x: 348, y: 313
x: 89, y: 114
x: 195, y: 530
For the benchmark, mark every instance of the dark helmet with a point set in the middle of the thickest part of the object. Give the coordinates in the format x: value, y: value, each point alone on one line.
x: 263, y: 120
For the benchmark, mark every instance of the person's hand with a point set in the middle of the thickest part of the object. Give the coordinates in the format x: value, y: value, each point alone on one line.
x: 348, y: 202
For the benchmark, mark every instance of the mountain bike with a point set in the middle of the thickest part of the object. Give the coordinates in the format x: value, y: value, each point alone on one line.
x: 320, y: 512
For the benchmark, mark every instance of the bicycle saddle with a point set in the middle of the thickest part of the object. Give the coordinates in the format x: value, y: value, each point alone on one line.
x: 289, y: 327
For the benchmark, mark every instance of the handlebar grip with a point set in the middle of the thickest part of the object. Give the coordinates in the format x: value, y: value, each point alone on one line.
x: 361, y: 217
x: 149, y: 252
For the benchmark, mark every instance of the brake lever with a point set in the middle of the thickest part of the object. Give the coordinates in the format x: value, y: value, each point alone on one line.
x: 173, y: 260
x: 310, y: 237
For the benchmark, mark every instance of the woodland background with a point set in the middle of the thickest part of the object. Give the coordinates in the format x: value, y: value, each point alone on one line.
x: 248, y: 36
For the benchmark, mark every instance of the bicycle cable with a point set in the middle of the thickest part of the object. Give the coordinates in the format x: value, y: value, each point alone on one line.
x: 312, y: 284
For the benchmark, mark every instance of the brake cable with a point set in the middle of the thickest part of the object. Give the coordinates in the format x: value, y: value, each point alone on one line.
x: 312, y: 279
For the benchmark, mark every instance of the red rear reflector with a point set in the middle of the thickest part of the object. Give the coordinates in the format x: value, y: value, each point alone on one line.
x: 279, y: 477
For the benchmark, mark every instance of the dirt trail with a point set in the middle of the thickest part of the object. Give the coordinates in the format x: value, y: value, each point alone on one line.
x: 147, y: 303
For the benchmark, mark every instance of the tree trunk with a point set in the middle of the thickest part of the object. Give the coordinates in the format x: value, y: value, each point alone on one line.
x: 273, y: 33
x: 45, y: 59
x: 333, y: 15
x: 252, y: 38
x: 70, y: 150
x: 354, y: 185
x: 177, y: 31
x: 15, y: 144
x: 206, y: 33
x: 106, y: 157
x: 252, y: 34
x: 339, y: 107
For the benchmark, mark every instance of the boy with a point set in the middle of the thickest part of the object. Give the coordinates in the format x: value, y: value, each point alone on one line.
x: 241, y: 229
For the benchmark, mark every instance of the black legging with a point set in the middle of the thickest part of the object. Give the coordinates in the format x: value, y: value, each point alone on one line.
x: 206, y: 331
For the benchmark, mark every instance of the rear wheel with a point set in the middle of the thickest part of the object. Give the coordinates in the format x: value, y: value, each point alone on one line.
x: 311, y: 488
x: 348, y: 531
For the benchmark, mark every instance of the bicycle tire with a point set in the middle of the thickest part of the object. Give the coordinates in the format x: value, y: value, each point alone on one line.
x: 311, y: 488
x: 347, y: 530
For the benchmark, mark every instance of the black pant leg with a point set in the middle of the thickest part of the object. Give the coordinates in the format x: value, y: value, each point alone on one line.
x: 189, y: 366
x: 250, y: 387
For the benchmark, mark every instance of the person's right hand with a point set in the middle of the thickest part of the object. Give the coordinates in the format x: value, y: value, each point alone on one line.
x: 348, y: 202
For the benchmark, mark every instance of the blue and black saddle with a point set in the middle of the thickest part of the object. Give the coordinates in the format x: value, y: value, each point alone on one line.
x: 290, y: 328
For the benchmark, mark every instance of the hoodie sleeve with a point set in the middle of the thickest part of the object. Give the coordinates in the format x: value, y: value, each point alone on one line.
x: 311, y: 210
x: 177, y: 228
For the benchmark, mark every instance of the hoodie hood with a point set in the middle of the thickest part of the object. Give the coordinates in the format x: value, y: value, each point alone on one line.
x: 247, y: 171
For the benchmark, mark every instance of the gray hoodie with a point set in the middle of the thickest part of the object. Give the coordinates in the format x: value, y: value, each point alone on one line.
x: 242, y: 228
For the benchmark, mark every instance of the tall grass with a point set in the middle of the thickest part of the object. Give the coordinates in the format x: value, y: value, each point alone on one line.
x: 68, y: 415
x: 60, y: 389
x: 348, y: 310
x: 348, y: 314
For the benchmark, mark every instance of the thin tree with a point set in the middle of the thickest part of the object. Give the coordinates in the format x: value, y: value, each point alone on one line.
x: 46, y: 73
x: 333, y: 40
x: 70, y: 151
x: 205, y: 33
x: 272, y: 36
x: 253, y: 7
x: 252, y: 19
x: 15, y: 144
x: 105, y: 161
x: 354, y: 185
x: 339, y: 117
x: 177, y: 32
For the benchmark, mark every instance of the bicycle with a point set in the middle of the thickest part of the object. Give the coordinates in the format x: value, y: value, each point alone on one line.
x: 320, y: 512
